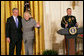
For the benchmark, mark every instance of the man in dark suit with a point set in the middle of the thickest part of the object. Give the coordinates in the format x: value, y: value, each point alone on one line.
x: 14, y: 32
x: 69, y: 21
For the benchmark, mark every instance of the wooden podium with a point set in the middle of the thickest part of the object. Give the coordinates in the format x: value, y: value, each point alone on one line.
x: 70, y: 37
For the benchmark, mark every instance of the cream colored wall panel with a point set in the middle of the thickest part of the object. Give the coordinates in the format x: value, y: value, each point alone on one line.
x: 53, y: 13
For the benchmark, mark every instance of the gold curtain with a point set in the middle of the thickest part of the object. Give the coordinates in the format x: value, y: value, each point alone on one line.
x: 6, y: 11
x: 36, y: 8
x: 36, y: 12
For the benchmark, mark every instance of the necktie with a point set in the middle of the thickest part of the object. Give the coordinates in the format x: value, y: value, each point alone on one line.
x: 16, y: 22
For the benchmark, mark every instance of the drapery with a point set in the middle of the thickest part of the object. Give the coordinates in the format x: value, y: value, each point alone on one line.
x: 36, y: 12
x: 36, y: 8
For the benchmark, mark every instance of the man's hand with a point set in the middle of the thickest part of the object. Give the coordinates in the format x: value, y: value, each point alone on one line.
x: 38, y: 25
x: 66, y: 25
x: 76, y: 24
x: 8, y: 39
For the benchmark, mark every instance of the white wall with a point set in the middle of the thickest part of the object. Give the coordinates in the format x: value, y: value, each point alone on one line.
x: 53, y: 13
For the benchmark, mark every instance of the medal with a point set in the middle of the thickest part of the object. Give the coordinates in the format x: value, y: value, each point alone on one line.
x: 69, y: 19
x: 72, y: 18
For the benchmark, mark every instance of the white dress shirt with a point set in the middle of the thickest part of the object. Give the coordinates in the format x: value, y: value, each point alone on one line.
x: 15, y: 18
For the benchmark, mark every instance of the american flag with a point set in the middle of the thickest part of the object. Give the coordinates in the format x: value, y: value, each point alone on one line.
x: 26, y: 6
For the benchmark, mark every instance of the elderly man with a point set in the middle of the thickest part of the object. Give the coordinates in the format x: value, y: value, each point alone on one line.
x: 14, y: 32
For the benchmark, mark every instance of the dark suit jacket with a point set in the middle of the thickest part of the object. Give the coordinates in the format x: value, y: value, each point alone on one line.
x: 12, y: 31
x: 70, y: 24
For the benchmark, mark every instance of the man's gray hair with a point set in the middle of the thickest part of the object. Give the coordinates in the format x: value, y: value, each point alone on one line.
x: 14, y: 9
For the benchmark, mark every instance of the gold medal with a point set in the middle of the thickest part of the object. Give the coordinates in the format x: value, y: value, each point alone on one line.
x: 69, y: 19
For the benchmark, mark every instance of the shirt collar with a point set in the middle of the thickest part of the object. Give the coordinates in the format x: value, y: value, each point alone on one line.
x: 69, y: 15
x: 14, y: 16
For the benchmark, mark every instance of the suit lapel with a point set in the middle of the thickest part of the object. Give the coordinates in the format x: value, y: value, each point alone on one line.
x: 18, y: 22
x: 14, y: 22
